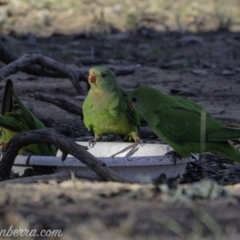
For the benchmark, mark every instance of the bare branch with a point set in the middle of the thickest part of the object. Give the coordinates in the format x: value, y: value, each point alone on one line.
x: 66, y: 145
x: 47, y: 63
x: 60, y: 102
x: 48, y: 67
x: 7, y: 57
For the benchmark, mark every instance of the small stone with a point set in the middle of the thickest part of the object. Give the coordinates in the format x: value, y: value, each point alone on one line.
x: 199, y: 72
x: 227, y: 73
x: 189, y: 39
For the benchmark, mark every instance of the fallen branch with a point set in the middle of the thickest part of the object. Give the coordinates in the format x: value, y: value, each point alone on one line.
x: 7, y: 57
x: 47, y: 63
x: 49, y: 67
x: 58, y: 177
x: 60, y: 102
x: 66, y: 145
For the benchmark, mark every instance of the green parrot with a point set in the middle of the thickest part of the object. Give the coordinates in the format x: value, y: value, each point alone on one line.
x: 16, y: 118
x: 106, y: 108
x: 184, y: 125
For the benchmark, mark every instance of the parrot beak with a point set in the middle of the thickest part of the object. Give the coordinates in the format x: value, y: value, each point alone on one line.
x: 92, y: 78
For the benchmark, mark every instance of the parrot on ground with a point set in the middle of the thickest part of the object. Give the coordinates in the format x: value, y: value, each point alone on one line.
x: 16, y: 118
x: 106, y: 108
x: 184, y: 125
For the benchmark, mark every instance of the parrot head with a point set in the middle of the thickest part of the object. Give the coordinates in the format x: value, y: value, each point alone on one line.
x: 140, y: 99
x: 100, y: 77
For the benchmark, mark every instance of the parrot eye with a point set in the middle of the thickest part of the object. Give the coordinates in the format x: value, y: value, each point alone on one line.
x: 103, y: 74
x: 134, y: 99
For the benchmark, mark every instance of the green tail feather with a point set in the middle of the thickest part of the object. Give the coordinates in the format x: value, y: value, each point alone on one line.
x: 7, y: 101
x: 225, y: 150
x: 224, y: 134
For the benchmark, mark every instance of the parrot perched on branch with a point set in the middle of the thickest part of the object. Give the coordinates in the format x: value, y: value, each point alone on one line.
x: 184, y: 125
x: 16, y: 118
x: 106, y: 108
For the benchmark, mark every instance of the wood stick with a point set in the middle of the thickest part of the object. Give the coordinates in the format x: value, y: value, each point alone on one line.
x: 47, y: 63
x: 7, y: 57
x: 60, y: 102
x: 48, y: 67
x: 66, y: 145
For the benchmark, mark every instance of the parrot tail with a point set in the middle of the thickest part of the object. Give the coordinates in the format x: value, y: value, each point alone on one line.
x: 7, y: 100
x: 224, y: 149
x: 224, y: 135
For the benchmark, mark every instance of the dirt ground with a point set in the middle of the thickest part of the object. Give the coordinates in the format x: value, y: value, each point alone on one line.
x: 203, y: 67
x: 85, y: 210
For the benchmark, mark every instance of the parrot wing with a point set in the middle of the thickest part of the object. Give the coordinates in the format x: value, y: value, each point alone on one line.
x: 10, y: 118
x: 87, y: 104
x: 132, y: 114
x: 17, y: 118
x: 20, y: 119
x: 13, y: 121
x: 32, y: 122
x: 184, y: 125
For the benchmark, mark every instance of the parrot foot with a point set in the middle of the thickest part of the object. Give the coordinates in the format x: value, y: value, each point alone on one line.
x: 140, y: 141
x: 134, y: 136
x: 174, y: 156
x: 132, y: 147
x: 92, y: 142
x: 196, y: 157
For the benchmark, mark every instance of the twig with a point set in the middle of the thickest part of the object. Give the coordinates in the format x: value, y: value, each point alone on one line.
x: 7, y: 57
x: 31, y: 59
x: 49, y: 67
x: 66, y: 145
x: 28, y: 59
x: 60, y: 102
x: 58, y: 177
